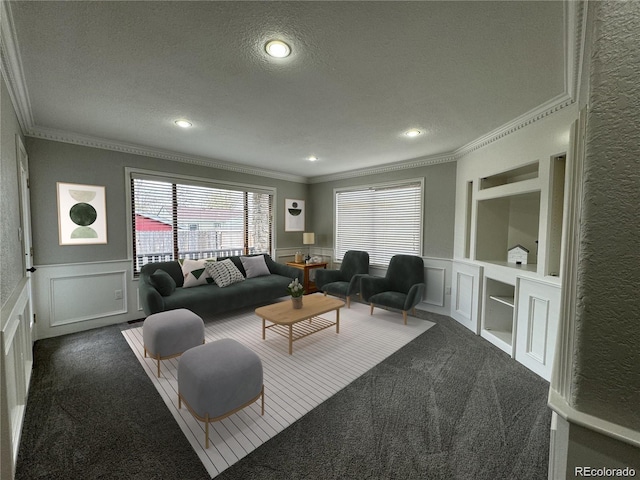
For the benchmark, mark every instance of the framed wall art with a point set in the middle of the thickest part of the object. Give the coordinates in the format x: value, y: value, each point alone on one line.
x: 293, y: 215
x: 82, y: 214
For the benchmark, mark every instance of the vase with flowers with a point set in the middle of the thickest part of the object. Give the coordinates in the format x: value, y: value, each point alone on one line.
x: 296, y: 290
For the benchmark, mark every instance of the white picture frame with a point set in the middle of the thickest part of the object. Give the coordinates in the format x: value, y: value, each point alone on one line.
x: 82, y: 214
x: 293, y: 215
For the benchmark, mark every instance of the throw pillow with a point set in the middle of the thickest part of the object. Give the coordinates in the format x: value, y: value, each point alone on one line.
x: 195, y: 273
x: 255, y: 266
x: 162, y: 282
x: 224, y: 273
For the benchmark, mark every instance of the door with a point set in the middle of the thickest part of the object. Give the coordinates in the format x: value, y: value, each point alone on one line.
x: 25, y: 231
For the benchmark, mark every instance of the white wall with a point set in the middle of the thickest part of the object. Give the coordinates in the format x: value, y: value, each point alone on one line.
x: 538, y: 141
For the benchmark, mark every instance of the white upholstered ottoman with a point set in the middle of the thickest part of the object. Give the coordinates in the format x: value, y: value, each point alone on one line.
x: 171, y: 333
x: 218, y: 379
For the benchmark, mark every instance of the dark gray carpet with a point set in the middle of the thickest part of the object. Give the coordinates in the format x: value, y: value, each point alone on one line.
x: 447, y: 406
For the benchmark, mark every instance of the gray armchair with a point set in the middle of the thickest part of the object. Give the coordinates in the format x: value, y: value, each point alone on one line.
x: 402, y: 288
x: 346, y: 281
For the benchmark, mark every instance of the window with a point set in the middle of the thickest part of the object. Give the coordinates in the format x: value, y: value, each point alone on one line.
x: 175, y: 219
x: 384, y: 220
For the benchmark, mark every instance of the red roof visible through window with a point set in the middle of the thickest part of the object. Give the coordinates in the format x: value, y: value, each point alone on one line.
x: 146, y: 224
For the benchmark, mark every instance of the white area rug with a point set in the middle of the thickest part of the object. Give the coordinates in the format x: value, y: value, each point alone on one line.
x: 321, y: 365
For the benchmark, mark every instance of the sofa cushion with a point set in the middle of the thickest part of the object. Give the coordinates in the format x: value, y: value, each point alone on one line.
x: 162, y: 282
x: 255, y: 266
x: 224, y: 273
x: 195, y: 273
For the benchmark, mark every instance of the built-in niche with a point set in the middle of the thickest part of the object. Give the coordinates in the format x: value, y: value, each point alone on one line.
x: 505, y: 222
x: 557, y: 176
x: 467, y: 226
x: 520, y: 174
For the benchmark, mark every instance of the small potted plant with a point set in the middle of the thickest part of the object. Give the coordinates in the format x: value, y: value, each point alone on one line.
x: 296, y: 290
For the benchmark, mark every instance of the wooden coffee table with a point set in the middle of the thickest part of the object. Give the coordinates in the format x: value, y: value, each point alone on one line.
x: 284, y: 317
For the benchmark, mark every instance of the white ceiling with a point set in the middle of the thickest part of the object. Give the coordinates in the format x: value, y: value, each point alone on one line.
x: 361, y: 73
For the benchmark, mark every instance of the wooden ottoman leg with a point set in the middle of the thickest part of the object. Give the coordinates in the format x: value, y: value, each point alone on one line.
x: 206, y: 431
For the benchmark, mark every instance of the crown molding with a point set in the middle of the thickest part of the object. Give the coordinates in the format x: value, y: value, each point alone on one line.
x: 97, y: 142
x: 533, y: 116
x: 386, y: 168
x: 538, y: 113
x: 575, y: 21
x: 575, y: 30
x: 12, y: 68
x: 575, y: 18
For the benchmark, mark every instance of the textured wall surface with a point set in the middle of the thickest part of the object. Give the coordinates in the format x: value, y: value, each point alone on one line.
x: 10, y: 246
x: 607, y: 359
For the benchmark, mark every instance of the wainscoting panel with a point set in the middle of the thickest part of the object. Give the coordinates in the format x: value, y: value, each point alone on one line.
x: 464, y: 297
x: 537, y: 324
x: 75, y: 297
x: 16, y: 362
x: 69, y: 297
x: 465, y: 293
x: 435, y: 278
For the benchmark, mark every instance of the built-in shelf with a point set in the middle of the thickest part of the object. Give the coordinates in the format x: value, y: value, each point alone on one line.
x: 530, y: 267
x: 521, y: 206
x: 502, y: 339
x: 520, y: 174
x: 509, y: 301
x: 498, y: 313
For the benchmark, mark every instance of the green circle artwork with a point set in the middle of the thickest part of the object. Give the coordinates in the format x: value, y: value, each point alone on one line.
x: 295, y: 211
x: 83, y: 214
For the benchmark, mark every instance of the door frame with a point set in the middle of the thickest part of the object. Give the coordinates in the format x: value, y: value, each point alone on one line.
x: 25, y: 228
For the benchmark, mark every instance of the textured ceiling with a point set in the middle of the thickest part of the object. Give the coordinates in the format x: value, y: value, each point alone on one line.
x: 360, y: 74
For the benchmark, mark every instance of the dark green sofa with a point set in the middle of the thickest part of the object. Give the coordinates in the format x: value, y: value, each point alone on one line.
x: 210, y: 299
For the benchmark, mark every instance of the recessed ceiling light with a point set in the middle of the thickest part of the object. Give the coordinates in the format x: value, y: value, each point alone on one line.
x: 183, y: 123
x: 277, y: 48
x: 312, y: 158
x: 414, y: 132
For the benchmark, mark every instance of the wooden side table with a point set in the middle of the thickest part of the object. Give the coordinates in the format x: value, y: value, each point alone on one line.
x: 309, y: 286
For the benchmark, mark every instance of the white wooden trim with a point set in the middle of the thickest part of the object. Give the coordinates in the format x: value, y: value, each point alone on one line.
x: 84, y: 279
x: 108, y: 312
x: 435, y: 295
x: 474, y: 271
x: 563, y: 367
x: 618, y: 432
x: 16, y: 360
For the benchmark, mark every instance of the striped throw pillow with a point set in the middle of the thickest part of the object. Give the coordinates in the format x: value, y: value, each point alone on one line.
x: 224, y: 272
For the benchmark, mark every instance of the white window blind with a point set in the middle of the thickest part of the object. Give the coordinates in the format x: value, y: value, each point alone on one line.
x: 174, y: 220
x: 383, y: 220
